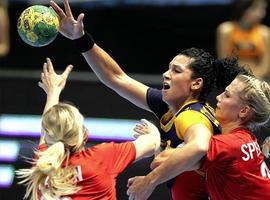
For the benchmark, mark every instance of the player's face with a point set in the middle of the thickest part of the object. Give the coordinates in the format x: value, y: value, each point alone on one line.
x: 256, y: 12
x: 229, y: 104
x: 177, y: 82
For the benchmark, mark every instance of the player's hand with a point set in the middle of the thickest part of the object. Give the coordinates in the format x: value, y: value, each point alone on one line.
x: 69, y: 27
x: 52, y: 82
x: 139, y: 188
x: 145, y: 127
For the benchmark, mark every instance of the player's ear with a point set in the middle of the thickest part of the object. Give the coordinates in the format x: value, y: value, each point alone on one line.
x: 245, y: 112
x: 197, y: 84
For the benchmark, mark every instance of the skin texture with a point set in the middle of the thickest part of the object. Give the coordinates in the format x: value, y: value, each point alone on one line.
x: 4, y: 31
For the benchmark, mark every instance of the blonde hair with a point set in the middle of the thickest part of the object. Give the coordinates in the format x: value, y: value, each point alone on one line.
x: 62, y: 126
x: 256, y: 93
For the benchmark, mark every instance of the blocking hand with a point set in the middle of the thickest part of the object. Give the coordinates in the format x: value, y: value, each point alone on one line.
x: 69, y: 27
x: 52, y: 81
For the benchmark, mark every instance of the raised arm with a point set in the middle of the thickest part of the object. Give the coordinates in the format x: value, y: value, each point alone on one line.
x: 262, y: 69
x: 103, y: 65
x: 52, y: 84
x: 4, y: 32
x: 222, y: 38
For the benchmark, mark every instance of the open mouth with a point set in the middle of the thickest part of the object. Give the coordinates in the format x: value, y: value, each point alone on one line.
x: 166, y: 86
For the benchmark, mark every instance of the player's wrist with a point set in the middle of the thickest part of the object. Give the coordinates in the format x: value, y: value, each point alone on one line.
x: 85, y: 42
x: 151, y: 179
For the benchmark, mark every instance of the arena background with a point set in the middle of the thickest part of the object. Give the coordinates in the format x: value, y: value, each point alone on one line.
x: 143, y: 36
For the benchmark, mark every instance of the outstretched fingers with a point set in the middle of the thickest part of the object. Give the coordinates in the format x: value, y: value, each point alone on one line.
x: 68, y: 9
x: 50, y: 65
x: 80, y: 19
x: 140, y: 129
x: 43, y: 83
x: 45, y: 71
x: 64, y: 75
x: 67, y: 71
x: 58, y: 10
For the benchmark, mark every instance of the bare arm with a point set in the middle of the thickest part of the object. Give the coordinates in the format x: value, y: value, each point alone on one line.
x: 183, y: 159
x: 263, y: 68
x: 52, y: 84
x: 148, y: 139
x: 222, y: 39
x: 106, y: 69
x: 4, y: 29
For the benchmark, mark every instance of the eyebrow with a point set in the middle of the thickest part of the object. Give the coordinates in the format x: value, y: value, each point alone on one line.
x: 227, y: 91
x: 176, y: 65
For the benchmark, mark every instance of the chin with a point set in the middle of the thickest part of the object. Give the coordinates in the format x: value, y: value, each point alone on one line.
x: 165, y: 101
x: 218, y: 116
x: 164, y: 97
x: 168, y: 103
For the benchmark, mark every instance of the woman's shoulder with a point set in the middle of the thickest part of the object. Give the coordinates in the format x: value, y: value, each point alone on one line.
x: 225, y: 27
x: 236, y: 137
x: 265, y: 30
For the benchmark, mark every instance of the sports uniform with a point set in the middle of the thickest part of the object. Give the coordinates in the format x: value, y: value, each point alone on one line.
x: 97, y: 168
x: 246, y: 43
x: 188, y: 185
x: 235, y: 168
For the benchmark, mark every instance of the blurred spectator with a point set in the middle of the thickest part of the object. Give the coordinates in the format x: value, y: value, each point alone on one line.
x: 246, y: 37
x: 4, y: 28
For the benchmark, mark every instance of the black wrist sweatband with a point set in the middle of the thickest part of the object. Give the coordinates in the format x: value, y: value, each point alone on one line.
x: 84, y: 43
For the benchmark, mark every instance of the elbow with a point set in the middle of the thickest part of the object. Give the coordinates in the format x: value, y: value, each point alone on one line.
x: 201, y: 149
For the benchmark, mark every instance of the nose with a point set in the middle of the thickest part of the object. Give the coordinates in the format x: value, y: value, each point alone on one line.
x: 166, y: 74
x: 218, y: 97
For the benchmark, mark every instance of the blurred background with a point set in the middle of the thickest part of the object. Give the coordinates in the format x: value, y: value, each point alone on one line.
x: 141, y: 35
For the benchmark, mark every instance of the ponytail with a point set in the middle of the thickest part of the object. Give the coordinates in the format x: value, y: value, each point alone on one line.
x: 62, y: 125
x: 48, y: 175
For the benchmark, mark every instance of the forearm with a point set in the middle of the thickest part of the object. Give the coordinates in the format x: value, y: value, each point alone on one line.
x: 183, y: 159
x: 110, y: 73
x: 4, y: 36
x: 107, y: 70
x: 4, y: 49
x: 146, y: 145
x: 52, y: 99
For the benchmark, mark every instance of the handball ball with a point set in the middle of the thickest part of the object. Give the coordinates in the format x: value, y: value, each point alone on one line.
x: 38, y: 25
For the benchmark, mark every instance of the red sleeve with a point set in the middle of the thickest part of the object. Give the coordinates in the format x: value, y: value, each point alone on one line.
x: 117, y: 155
x: 42, y: 147
x: 221, y: 151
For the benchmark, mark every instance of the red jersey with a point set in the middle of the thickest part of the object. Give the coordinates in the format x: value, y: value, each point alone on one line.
x: 235, y: 168
x: 188, y: 185
x: 97, y: 169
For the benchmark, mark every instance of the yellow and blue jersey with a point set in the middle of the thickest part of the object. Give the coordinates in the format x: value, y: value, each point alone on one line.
x: 174, y: 126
